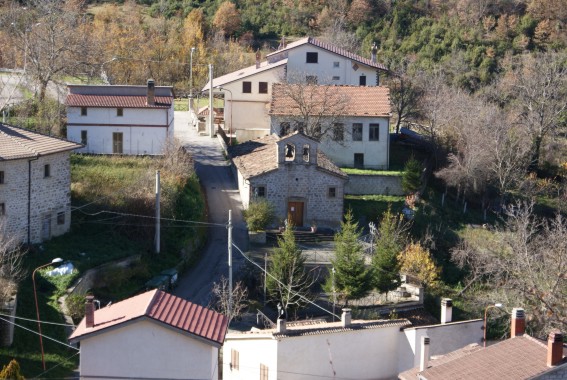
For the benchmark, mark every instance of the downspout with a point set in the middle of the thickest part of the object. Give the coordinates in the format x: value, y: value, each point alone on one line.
x: 29, y: 195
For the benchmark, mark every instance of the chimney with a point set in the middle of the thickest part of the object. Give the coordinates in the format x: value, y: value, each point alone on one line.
x: 446, y: 310
x: 374, y: 51
x: 151, y: 93
x: 424, y: 358
x: 281, y: 328
x: 89, y: 312
x: 518, y: 327
x: 346, y: 318
x: 258, y: 58
x: 554, y: 348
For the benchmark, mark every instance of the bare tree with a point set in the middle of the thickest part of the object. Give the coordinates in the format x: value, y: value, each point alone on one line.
x: 230, y: 305
x: 11, y: 268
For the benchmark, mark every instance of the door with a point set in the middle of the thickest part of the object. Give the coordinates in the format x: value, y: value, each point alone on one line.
x: 295, y: 213
x: 117, y: 142
x: 359, y: 160
x: 46, y: 228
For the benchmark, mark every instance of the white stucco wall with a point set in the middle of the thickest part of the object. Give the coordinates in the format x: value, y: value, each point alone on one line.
x: 145, y: 349
x: 252, y: 352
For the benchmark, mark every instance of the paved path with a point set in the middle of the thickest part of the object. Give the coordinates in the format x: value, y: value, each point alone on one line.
x: 222, y: 195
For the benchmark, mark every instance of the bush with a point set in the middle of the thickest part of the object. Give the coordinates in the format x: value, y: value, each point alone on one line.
x: 76, y: 307
x: 259, y: 215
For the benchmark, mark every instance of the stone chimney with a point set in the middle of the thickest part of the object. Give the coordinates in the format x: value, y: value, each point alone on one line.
x: 374, y: 51
x: 424, y: 358
x: 554, y: 348
x: 518, y: 326
x: 89, y: 312
x: 346, y: 318
x: 258, y: 58
x: 446, y: 310
x: 151, y: 93
x: 281, y: 327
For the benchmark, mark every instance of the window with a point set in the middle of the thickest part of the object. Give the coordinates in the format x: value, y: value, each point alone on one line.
x: 359, y: 160
x: 285, y: 128
x: 362, y: 80
x: 263, y: 87
x: 2, y: 209
x: 234, y: 360
x: 374, y: 132
x: 338, y: 131
x: 83, y: 111
x: 247, y: 87
x: 299, y: 126
x: 332, y: 193
x: 357, y: 132
x: 306, y: 153
x: 120, y: 112
x: 1, y: 177
x: 260, y: 191
x: 289, y: 152
x: 84, y: 135
x: 312, y: 57
x: 336, y: 78
x: 61, y: 217
x: 311, y: 79
x: 264, y: 372
x: 336, y: 64
x: 46, y: 170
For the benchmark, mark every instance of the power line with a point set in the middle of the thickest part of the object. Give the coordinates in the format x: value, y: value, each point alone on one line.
x: 57, y: 365
x: 35, y: 320
x: 153, y: 217
x: 42, y: 335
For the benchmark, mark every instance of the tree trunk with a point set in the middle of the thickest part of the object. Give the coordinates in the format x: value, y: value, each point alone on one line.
x: 535, y: 153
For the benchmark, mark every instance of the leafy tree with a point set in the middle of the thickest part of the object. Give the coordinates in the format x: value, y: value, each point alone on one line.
x: 417, y: 262
x: 259, y: 214
x: 352, y: 279
x: 11, y: 371
x: 411, y: 178
x: 288, y: 282
x: 227, y: 18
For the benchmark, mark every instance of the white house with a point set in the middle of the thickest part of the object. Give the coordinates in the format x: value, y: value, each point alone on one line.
x: 134, y: 120
x: 151, y: 335
x: 247, y: 92
x: 351, y: 122
x: 35, y: 184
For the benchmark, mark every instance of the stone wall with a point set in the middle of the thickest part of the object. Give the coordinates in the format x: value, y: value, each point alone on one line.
x: 373, y: 184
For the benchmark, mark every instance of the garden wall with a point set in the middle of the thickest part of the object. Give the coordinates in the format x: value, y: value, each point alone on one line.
x: 360, y: 184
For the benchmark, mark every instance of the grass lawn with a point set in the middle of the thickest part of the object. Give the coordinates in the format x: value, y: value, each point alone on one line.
x: 393, y: 173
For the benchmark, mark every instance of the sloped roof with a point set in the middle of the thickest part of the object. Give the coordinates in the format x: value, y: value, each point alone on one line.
x: 17, y: 143
x: 114, y: 101
x: 161, y: 307
x: 288, y: 99
x: 255, y: 157
x: 243, y: 73
x: 331, y: 48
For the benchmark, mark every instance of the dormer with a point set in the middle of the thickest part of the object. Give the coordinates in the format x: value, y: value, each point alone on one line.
x: 297, y: 148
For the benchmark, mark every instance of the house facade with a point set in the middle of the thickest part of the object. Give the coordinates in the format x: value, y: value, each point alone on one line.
x: 352, y: 123
x: 35, y: 184
x: 293, y: 175
x: 247, y: 92
x: 131, y: 120
x: 152, y: 335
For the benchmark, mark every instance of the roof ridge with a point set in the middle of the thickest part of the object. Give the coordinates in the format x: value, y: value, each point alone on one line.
x: 157, y: 296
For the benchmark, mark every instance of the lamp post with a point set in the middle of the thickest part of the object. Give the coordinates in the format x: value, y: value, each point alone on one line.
x: 54, y: 261
x: 231, y: 105
x: 496, y: 305
x: 191, y: 79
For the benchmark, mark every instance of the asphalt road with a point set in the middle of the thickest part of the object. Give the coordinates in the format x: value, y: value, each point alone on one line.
x: 222, y: 195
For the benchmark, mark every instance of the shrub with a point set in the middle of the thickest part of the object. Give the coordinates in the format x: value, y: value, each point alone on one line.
x: 76, y: 307
x: 259, y: 215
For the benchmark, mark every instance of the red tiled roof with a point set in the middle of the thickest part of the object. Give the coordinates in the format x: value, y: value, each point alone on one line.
x: 161, y: 307
x: 287, y: 99
x: 332, y: 49
x: 17, y: 143
x: 122, y: 101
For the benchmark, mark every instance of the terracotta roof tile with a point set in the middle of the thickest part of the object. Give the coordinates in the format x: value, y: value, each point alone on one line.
x: 356, y: 100
x: 162, y: 307
x: 122, y: 101
x: 17, y: 143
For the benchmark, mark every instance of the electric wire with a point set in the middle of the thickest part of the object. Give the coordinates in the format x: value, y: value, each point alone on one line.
x: 35, y: 320
x: 57, y: 365
x: 153, y: 217
x: 42, y: 335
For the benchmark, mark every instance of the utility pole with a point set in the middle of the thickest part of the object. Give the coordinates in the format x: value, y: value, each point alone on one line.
x: 191, y: 81
x: 158, y: 190
x: 265, y: 275
x: 211, y: 110
x: 230, y: 261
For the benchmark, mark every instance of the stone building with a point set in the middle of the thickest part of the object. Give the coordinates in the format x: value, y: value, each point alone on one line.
x: 294, y: 175
x: 35, y: 184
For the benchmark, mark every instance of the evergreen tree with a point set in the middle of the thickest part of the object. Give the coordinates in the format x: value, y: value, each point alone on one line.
x: 411, y: 179
x: 390, y: 242
x: 352, y: 278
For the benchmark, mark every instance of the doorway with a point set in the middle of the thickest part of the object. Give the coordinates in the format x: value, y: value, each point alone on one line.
x: 117, y: 142
x: 295, y: 213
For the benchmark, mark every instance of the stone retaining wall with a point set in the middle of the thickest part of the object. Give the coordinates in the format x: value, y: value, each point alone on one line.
x: 373, y: 184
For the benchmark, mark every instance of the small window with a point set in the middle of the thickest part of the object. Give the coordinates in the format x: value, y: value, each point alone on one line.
x: 285, y: 128
x: 234, y: 360
x: 2, y: 209
x: 338, y: 132
x: 61, y: 218
x: 311, y: 79
x: 336, y: 78
x: 289, y: 152
x: 332, y: 193
x: 362, y: 80
x: 312, y: 57
x: 263, y: 87
x: 264, y: 372
x: 247, y: 87
x: 357, y: 132
x: 83, y: 111
x: 306, y: 153
x: 120, y: 112
x: 374, y: 132
x: 260, y: 191
x: 299, y: 126
x: 1, y: 177
x: 336, y: 64
x: 84, y: 137
x: 47, y: 171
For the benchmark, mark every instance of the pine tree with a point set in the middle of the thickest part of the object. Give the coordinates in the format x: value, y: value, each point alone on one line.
x: 352, y: 279
x: 411, y: 179
x: 390, y: 242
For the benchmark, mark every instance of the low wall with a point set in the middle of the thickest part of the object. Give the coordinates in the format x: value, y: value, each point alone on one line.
x: 360, y: 184
x: 243, y: 135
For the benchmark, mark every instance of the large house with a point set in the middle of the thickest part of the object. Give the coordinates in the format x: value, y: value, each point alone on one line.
x: 154, y: 335
x: 293, y: 175
x: 352, y: 123
x: 247, y: 92
x: 132, y: 120
x: 35, y: 184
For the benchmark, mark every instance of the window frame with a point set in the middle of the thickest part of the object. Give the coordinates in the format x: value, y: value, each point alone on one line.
x: 262, y: 87
x: 312, y: 57
x: 336, y: 132
x: 262, y: 191
x: 332, y: 192
x: 361, y: 79
x: 2, y: 177
x: 2, y: 208
x: 373, y: 132
x: 234, y: 360
x: 336, y: 64
x: 61, y: 218
x: 336, y: 77
x: 285, y: 128
x: 84, y: 136
x: 357, y: 136
x: 246, y: 87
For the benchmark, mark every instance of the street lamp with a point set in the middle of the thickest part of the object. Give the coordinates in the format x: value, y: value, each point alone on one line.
x: 231, y: 105
x: 496, y: 305
x: 54, y: 261
x: 191, y: 79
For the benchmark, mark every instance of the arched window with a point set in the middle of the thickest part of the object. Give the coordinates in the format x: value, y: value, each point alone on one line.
x: 306, y: 153
x: 289, y: 152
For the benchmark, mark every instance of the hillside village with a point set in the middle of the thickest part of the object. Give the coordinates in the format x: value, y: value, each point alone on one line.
x: 281, y: 207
